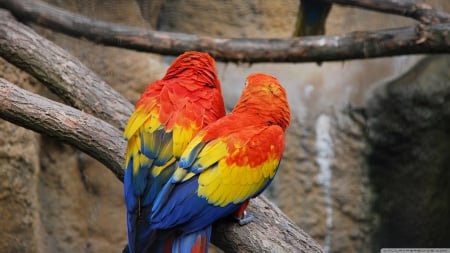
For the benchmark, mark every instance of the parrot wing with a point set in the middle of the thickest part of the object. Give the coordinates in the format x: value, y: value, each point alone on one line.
x: 149, y: 153
x: 158, y: 131
x: 215, y: 177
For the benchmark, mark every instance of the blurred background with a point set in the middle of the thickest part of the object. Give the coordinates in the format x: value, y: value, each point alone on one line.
x: 367, y: 161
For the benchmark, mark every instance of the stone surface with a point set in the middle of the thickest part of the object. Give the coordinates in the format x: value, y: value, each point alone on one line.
x: 19, y: 168
x: 82, y: 202
x: 408, y: 130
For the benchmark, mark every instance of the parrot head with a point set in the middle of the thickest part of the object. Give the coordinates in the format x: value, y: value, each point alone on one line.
x: 265, y: 96
x: 197, y: 65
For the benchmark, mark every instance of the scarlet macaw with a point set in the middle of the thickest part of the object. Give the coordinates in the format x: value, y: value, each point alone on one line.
x: 166, y: 117
x: 227, y: 163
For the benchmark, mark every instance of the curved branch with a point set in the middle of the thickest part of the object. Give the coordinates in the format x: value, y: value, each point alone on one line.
x: 89, y: 134
x: 357, y: 45
x: 265, y: 237
x: 104, y: 142
x: 408, y: 8
x: 62, y: 73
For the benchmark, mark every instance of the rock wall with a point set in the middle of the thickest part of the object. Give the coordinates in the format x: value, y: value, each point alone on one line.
x: 408, y: 130
x: 19, y: 170
x: 18, y: 188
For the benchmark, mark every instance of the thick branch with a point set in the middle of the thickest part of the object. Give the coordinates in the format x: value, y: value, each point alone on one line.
x: 265, y: 237
x: 62, y: 73
x: 408, y: 8
x: 89, y: 134
x: 358, y: 45
x: 271, y: 231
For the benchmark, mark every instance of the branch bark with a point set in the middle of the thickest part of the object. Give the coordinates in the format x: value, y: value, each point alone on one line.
x: 104, y: 142
x: 421, y: 39
x: 62, y: 73
x: 408, y: 8
x: 261, y: 235
x: 89, y: 134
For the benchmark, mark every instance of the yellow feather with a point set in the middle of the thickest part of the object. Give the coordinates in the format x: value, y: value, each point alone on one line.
x: 182, y: 135
x: 188, y: 176
x: 156, y: 170
x: 232, y: 184
x: 179, y: 174
x: 143, y: 161
x: 152, y: 123
x: 129, y: 151
x: 136, y: 120
x: 211, y: 153
x: 133, y: 151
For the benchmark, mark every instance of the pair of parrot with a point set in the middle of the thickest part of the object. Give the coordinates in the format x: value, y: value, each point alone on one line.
x: 188, y: 164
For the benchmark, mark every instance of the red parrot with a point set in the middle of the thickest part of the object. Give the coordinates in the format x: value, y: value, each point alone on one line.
x: 226, y: 164
x: 166, y: 117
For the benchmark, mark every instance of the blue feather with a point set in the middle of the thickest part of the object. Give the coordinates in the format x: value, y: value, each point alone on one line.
x: 150, y: 143
x: 130, y: 197
x: 185, y: 242
x: 165, y: 149
x: 158, y: 183
x: 184, y: 209
x: 186, y: 162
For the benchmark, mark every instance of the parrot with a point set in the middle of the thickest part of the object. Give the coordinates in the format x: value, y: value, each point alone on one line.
x: 167, y: 116
x: 226, y: 164
x: 311, y: 17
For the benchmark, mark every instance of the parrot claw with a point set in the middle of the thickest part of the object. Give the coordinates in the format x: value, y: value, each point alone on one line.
x: 245, y: 218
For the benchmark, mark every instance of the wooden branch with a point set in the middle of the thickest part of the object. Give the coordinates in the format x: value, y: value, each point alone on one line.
x: 89, y: 134
x: 62, y: 73
x: 408, y: 8
x: 265, y: 237
x: 272, y: 230
x: 431, y: 39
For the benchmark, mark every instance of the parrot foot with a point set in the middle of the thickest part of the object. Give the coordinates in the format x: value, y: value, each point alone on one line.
x: 245, y: 218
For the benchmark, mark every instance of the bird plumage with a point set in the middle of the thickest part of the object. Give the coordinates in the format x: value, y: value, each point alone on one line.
x: 227, y: 163
x: 166, y: 117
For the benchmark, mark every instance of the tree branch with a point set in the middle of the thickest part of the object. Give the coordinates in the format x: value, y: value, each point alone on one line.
x: 421, y: 39
x: 408, y: 8
x: 89, y: 134
x: 271, y: 229
x: 62, y: 73
x: 261, y: 235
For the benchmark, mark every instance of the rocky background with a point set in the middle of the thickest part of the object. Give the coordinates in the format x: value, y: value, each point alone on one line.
x: 366, y: 164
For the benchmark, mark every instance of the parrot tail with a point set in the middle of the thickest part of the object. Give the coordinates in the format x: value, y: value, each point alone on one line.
x: 196, y: 242
x: 140, y: 236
